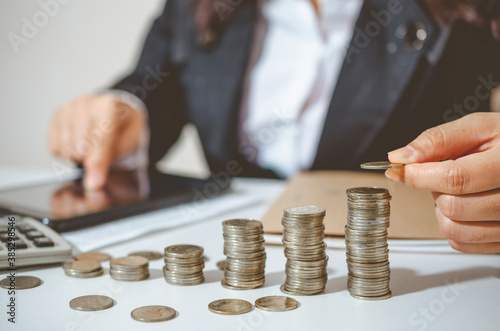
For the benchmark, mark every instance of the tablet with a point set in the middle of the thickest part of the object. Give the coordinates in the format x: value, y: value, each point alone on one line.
x: 66, y: 206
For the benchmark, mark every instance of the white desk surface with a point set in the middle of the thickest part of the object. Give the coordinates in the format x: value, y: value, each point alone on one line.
x: 431, y: 291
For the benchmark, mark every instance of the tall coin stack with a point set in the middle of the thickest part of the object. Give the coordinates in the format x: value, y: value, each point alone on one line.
x: 303, y: 234
x: 184, y: 265
x: 366, y: 243
x: 245, y: 254
x: 129, y: 268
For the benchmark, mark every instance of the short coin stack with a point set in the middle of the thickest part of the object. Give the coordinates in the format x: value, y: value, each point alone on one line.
x: 129, y: 268
x: 245, y: 254
x: 303, y: 234
x: 366, y: 243
x: 83, y: 269
x: 184, y: 265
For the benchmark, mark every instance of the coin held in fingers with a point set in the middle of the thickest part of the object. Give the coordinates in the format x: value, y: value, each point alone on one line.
x: 381, y: 165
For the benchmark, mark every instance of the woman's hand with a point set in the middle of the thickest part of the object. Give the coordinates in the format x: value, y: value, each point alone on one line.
x: 96, y: 130
x: 460, y: 163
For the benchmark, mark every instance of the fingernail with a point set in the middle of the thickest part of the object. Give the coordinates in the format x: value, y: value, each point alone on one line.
x: 93, y: 181
x: 403, y: 155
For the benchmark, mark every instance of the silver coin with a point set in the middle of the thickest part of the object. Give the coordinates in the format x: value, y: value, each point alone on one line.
x: 129, y: 262
x: 381, y: 165
x: 366, y: 243
x: 151, y: 314
x: 230, y: 306
x: 91, y: 303
x: 82, y: 266
x: 184, y: 251
x: 276, y: 303
x: 20, y: 282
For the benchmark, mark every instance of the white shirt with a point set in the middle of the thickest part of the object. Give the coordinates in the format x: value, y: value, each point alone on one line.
x: 292, y: 74
x: 292, y: 82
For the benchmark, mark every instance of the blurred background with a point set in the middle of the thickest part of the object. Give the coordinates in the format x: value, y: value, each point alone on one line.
x: 52, y: 51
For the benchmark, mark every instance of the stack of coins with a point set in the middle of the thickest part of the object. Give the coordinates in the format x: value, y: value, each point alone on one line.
x: 82, y: 269
x: 366, y: 243
x: 129, y: 268
x: 245, y: 254
x: 303, y: 234
x: 184, y: 265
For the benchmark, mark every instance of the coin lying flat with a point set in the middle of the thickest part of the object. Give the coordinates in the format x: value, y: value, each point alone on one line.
x: 94, y: 256
x: 276, y: 303
x: 153, y: 314
x: 91, y: 303
x: 221, y: 264
x: 20, y: 282
x: 148, y: 255
x: 83, y: 268
x: 230, y: 306
x: 381, y: 165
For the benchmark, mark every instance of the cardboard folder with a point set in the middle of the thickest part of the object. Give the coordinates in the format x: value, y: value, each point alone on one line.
x: 412, y: 211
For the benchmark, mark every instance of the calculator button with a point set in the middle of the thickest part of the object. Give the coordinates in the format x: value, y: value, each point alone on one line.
x: 43, y: 242
x: 4, y: 237
x: 21, y: 244
x: 33, y: 234
x: 25, y: 228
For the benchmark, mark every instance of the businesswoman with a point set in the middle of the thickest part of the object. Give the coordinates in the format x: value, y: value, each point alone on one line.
x: 281, y: 86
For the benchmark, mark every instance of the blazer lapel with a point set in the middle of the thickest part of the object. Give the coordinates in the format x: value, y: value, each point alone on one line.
x: 380, y: 62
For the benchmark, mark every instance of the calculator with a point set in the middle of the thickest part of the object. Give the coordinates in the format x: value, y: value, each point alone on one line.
x: 31, y: 243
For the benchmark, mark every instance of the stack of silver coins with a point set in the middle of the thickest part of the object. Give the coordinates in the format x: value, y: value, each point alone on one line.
x: 129, y: 268
x: 184, y: 265
x: 303, y: 234
x: 366, y: 243
x: 245, y: 254
x: 82, y: 269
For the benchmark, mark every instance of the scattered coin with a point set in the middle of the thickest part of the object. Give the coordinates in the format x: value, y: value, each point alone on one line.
x: 153, y: 314
x: 221, y: 264
x: 148, y: 255
x: 366, y: 243
x: 129, y: 268
x: 94, y: 256
x: 20, y: 282
x: 230, y: 306
x: 245, y: 254
x: 91, y: 303
x: 381, y: 165
x: 276, y: 303
x: 303, y: 234
x: 83, y: 269
x: 184, y: 265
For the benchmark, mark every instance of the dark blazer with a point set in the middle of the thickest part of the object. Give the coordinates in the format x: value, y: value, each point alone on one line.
x: 391, y: 87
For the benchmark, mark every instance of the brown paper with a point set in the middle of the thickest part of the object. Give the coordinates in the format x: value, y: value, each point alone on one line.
x: 412, y: 211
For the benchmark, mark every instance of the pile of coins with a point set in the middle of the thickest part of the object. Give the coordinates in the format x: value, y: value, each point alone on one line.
x: 129, y: 268
x: 303, y: 234
x: 366, y: 243
x: 83, y: 269
x: 184, y: 265
x: 245, y: 254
